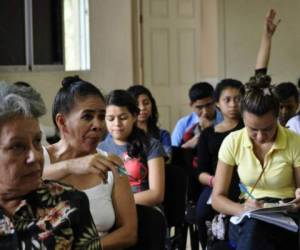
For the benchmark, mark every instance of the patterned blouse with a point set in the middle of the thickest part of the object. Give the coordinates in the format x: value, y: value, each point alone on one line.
x: 54, y: 216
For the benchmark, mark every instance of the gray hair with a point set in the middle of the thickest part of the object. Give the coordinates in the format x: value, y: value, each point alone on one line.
x: 16, y: 100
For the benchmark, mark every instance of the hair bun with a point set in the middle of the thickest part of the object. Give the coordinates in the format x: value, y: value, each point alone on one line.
x: 260, y: 81
x: 68, y: 80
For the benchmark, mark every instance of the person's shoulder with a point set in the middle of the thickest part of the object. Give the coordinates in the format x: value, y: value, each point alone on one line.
x: 237, y: 138
x: 185, y: 119
x: 153, y: 141
x: 164, y: 132
x: 291, y: 134
x: 238, y: 133
x: 107, y: 142
x: 53, y: 192
x: 293, y: 122
x: 155, y: 147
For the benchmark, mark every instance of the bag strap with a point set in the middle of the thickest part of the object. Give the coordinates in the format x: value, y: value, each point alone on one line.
x: 258, y: 179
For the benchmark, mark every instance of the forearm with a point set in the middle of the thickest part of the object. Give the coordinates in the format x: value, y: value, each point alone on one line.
x: 264, y: 52
x: 119, y: 239
x: 148, y: 198
x: 226, y: 206
x: 56, y: 171
x: 205, y: 178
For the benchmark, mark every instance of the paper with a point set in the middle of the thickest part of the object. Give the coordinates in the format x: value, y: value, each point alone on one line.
x: 277, y: 215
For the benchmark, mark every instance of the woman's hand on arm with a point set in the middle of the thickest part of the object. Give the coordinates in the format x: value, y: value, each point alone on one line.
x: 220, y: 200
x: 125, y: 232
x: 156, y: 178
x: 264, y: 51
x: 97, y: 164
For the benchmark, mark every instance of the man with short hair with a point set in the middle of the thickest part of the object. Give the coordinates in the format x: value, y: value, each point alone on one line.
x: 187, y: 130
x: 289, y: 101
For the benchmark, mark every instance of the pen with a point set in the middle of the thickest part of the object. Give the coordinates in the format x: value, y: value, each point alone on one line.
x: 122, y: 170
x: 245, y: 191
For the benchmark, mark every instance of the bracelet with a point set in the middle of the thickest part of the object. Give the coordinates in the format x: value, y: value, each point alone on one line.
x: 210, y: 182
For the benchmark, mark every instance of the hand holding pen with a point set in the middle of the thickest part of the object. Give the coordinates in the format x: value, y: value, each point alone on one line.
x: 252, y: 203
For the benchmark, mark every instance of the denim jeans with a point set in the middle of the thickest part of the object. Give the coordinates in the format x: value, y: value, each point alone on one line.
x: 254, y: 234
x: 204, y: 213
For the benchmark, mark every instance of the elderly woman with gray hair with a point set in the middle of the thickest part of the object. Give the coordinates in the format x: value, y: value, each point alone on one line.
x: 35, y: 214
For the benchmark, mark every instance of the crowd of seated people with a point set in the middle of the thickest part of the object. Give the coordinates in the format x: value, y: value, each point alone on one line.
x: 102, y: 184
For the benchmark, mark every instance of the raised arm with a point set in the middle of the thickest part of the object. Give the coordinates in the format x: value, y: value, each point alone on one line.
x: 264, y: 51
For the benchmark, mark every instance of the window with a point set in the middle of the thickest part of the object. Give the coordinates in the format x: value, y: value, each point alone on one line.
x: 77, y: 35
x: 43, y: 35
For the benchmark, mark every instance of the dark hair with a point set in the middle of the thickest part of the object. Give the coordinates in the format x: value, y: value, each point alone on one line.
x: 138, y: 141
x: 260, y: 97
x: 227, y: 83
x: 138, y: 90
x: 21, y: 84
x: 200, y: 90
x: 72, y: 88
x: 285, y: 90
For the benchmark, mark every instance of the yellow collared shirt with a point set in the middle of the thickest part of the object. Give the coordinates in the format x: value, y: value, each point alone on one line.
x: 278, y: 179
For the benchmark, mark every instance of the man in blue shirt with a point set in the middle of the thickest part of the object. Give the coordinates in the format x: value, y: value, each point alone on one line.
x: 187, y: 130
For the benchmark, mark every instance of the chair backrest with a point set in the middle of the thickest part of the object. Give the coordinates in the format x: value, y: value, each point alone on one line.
x: 183, y: 157
x: 175, y: 195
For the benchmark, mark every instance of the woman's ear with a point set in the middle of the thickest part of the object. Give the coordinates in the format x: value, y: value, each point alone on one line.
x: 61, y: 122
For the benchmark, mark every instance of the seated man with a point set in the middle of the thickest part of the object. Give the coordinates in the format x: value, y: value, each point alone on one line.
x: 205, y: 114
x: 289, y: 101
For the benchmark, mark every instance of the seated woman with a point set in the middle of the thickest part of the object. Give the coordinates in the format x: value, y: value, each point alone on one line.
x: 267, y: 157
x: 35, y: 214
x: 227, y: 97
x: 148, y: 116
x: 143, y: 156
x: 78, y: 113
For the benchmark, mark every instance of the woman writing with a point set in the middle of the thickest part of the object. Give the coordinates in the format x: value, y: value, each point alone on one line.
x: 267, y: 157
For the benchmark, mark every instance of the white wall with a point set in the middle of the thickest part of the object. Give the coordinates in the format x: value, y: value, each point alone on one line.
x: 111, y: 54
x: 236, y: 24
x: 240, y: 28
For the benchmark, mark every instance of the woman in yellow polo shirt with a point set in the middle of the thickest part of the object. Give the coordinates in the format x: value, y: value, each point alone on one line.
x: 267, y: 157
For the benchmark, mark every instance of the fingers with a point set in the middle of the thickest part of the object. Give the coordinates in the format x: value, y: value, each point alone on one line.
x: 251, y: 204
x: 115, y: 159
x: 107, y: 163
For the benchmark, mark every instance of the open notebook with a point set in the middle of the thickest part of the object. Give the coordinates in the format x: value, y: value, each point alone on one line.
x: 277, y: 215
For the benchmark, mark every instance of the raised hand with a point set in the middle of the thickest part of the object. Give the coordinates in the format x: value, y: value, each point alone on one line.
x: 270, y: 23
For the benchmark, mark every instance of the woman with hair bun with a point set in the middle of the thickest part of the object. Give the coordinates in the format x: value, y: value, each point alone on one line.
x: 78, y: 113
x: 267, y: 157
